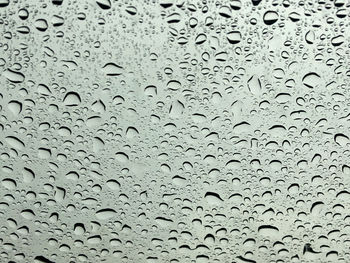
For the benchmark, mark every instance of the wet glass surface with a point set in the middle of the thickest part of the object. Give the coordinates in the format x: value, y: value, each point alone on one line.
x: 174, y: 131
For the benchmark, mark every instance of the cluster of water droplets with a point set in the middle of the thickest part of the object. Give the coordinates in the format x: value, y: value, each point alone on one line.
x: 174, y: 131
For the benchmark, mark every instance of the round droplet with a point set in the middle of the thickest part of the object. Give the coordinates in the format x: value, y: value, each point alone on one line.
x: 270, y: 17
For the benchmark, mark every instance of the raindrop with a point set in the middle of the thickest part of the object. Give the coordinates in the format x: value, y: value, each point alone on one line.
x: 174, y: 85
x: 112, y: 69
x: 105, y: 214
x: 41, y: 24
x: 15, y: 107
x: 15, y: 142
x: 270, y: 17
x: 254, y: 85
x: 72, y: 99
x: 104, y: 4
x: 234, y: 37
x: 13, y: 76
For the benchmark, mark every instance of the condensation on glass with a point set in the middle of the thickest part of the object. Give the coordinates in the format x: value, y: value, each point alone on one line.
x: 174, y: 131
